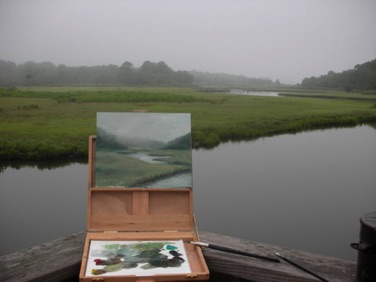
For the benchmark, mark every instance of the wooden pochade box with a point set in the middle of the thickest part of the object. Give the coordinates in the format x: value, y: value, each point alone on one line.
x: 125, y: 216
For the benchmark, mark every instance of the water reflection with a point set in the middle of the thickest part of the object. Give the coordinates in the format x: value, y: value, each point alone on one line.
x: 37, y: 206
x: 42, y: 165
x: 304, y: 191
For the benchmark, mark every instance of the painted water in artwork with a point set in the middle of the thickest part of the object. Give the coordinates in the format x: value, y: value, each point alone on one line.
x: 143, y: 150
x: 140, y: 258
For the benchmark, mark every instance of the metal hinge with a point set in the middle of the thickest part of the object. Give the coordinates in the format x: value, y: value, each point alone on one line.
x: 111, y: 231
x: 170, y: 231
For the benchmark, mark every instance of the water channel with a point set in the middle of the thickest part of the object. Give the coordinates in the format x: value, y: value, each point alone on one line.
x: 304, y: 191
x: 254, y: 93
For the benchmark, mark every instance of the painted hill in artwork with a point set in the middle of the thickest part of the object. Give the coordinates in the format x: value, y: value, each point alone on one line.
x: 180, y: 143
x: 111, y: 141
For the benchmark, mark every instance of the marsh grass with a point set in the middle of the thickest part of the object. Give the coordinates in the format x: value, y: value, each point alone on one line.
x: 59, y: 126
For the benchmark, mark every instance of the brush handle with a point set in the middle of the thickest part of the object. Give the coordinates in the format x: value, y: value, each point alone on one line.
x: 301, y: 267
x: 233, y: 251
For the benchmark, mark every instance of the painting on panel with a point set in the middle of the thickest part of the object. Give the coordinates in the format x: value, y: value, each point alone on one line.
x: 143, y: 150
x: 139, y: 258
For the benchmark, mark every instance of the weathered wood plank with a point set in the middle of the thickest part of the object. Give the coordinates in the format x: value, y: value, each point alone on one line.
x: 60, y: 260
x: 333, y: 269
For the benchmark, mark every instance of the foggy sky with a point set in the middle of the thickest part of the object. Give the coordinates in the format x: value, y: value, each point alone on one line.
x: 277, y: 39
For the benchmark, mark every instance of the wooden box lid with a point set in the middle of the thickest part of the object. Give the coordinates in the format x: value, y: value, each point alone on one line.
x: 118, y: 209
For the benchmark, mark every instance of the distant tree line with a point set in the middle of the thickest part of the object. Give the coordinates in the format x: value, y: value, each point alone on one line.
x: 361, y: 77
x: 46, y: 73
x: 149, y: 73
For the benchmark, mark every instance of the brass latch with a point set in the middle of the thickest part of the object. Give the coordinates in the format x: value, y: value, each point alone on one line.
x: 192, y: 276
x: 98, y: 279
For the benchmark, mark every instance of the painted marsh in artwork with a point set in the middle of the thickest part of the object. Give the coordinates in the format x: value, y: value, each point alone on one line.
x: 138, y: 149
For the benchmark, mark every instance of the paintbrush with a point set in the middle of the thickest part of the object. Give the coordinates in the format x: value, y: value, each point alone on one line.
x: 233, y: 251
x: 301, y: 267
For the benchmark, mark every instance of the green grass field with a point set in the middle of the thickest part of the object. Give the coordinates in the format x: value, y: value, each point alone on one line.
x: 53, y: 123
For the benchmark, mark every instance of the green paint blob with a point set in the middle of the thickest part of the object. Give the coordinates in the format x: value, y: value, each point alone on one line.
x: 114, y: 267
x: 171, y: 247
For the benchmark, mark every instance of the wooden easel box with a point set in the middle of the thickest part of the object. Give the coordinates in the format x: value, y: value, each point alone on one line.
x: 141, y: 214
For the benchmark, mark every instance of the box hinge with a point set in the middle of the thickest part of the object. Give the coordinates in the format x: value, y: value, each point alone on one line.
x: 170, y: 231
x: 111, y: 231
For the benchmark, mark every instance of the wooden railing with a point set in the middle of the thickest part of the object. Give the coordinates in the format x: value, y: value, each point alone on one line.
x: 60, y: 260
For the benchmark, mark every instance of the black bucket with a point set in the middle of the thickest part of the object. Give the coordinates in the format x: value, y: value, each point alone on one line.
x: 366, y: 268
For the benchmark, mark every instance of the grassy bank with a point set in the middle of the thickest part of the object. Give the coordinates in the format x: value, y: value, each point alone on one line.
x: 54, y: 123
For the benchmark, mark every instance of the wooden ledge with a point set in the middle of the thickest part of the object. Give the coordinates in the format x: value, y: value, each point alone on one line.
x: 250, y: 269
x: 60, y: 260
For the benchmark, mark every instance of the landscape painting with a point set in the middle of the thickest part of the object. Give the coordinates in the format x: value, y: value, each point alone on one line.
x: 139, y: 258
x: 143, y: 150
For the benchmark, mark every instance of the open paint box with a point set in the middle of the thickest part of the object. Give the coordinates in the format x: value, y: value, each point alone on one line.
x: 140, y: 203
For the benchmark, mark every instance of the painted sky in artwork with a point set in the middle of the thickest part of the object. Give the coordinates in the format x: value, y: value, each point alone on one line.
x: 159, y: 127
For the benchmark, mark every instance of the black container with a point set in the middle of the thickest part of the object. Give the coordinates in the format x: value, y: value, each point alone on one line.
x: 366, y: 268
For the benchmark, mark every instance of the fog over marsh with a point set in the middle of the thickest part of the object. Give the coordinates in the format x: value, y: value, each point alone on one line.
x: 286, y: 40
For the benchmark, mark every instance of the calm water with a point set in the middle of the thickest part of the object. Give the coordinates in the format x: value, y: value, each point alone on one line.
x: 304, y: 191
x: 254, y: 93
x: 37, y: 206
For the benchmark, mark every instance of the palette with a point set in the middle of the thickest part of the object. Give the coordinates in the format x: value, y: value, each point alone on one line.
x: 140, y: 258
